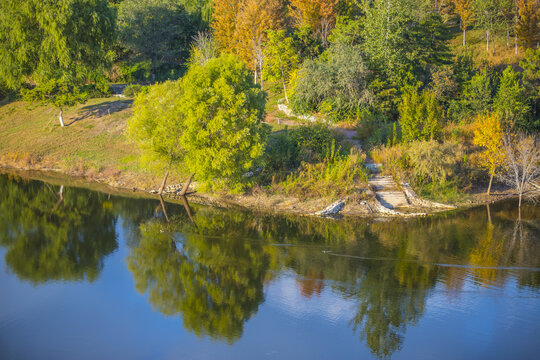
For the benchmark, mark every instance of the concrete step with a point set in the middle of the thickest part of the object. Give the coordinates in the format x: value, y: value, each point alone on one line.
x: 388, y: 192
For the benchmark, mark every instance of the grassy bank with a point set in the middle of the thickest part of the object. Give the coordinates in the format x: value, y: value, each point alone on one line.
x: 92, y: 144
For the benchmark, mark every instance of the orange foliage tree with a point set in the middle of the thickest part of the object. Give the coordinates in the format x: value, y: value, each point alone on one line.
x: 319, y: 15
x: 528, y: 22
x: 464, y: 9
x: 240, y: 27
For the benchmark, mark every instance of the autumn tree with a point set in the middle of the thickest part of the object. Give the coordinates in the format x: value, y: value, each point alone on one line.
x: 464, y: 9
x: 224, y: 23
x: 319, y: 15
x: 256, y: 18
x: 528, y: 22
x: 240, y: 28
x: 281, y: 58
x: 488, y: 135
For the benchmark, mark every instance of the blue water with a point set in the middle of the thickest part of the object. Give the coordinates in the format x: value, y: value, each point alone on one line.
x: 267, y: 287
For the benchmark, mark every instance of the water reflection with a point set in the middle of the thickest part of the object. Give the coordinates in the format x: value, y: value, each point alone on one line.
x: 210, y: 267
x: 208, y: 273
x: 52, y: 233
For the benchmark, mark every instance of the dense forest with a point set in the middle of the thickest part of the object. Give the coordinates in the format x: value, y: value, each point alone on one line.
x: 443, y: 93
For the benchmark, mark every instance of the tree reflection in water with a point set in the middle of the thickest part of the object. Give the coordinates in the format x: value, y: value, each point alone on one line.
x: 209, y: 273
x: 209, y: 266
x: 52, y: 233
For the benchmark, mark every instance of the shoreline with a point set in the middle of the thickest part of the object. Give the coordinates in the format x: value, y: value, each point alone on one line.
x: 259, y: 203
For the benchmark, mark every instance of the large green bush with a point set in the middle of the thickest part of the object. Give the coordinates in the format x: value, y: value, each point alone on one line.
x: 209, y: 122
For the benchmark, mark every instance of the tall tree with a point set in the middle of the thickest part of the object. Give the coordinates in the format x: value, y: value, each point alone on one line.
x: 55, y: 47
x: 256, y: 17
x: 511, y: 100
x: 240, y: 28
x: 209, y: 122
x: 158, y: 30
x: 488, y: 135
x: 319, y: 15
x: 528, y: 23
x: 224, y: 24
x: 488, y: 19
x: 464, y: 9
x: 281, y: 58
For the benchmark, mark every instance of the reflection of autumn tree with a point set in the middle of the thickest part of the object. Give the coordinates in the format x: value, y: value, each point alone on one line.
x: 211, y: 274
x: 54, y: 234
x: 487, y: 256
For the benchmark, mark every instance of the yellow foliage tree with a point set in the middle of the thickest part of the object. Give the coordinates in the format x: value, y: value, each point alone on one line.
x: 224, y: 24
x: 319, y: 15
x: 464, y: 8
x: 528, y: 22
x: 488, y: 134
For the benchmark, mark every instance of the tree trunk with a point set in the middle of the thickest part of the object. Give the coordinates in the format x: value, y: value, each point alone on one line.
x: 464, y: 30
x: 186, y: 185
x: 487, y: 41
x: 490, y: 181
x: 163, y: 183
x: 60, y: 118
x: 284, y: 87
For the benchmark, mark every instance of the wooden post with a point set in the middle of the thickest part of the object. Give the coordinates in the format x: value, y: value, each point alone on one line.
x: 186, y: 185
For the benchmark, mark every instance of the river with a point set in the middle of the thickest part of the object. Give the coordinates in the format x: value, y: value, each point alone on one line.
x: 87, y: 275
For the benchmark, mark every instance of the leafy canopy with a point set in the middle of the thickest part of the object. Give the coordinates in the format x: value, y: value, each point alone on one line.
x: 210, y: 122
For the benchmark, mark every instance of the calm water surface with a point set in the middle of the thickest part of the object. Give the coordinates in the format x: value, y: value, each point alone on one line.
x: 85, y: 275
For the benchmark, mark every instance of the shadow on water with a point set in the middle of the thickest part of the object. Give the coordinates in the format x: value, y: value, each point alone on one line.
x: 210, y: 266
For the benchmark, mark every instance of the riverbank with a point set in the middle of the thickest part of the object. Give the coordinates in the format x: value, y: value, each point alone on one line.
x: 91, y: 151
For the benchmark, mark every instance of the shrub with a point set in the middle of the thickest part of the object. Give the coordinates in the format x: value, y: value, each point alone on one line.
x: 336, y: 84
x: 307, y: 143
x: 420, y: 115
x: 375, y: 129
x: 336, y: 175
x: 432, y: 161
x: 134, y: 89
x: 393, y: 159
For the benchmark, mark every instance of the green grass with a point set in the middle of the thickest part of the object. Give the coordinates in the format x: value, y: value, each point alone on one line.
x: 94, y: 135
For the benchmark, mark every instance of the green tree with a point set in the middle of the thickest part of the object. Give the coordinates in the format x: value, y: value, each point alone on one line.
x: 488, y: 19
x: 210, y: 122
x: 336, y: 83
x: 531, y: 81
x: 511, y: 100
x: 55, y: 47
x: 420, y: 115
x: 158, y: 30
x: 156, y: 126
x: 476, y: 98
x: 281, y: 58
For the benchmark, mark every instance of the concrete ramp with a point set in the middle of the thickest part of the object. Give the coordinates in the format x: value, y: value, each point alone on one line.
x: 388, y: 192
